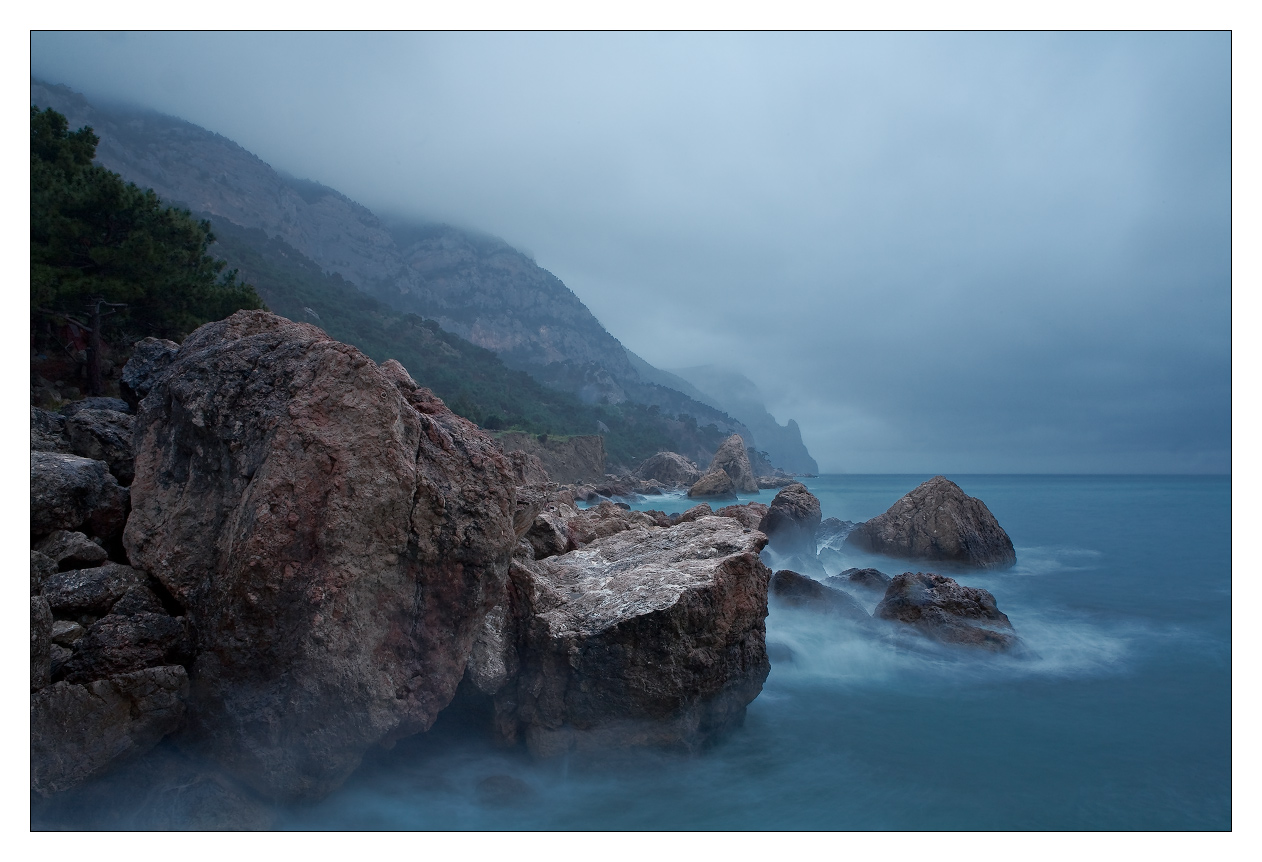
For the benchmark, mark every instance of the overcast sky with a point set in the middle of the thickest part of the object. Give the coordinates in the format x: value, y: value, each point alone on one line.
x: 938, y: 252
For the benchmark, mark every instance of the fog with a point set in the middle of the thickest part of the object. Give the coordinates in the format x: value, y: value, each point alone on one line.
x: 938, y: 252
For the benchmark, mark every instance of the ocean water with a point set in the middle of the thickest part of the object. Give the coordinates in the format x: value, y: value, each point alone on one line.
x: 1119, y: 720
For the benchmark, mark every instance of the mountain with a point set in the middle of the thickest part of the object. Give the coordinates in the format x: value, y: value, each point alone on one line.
x: 737, y: 395
x: 473, y: 285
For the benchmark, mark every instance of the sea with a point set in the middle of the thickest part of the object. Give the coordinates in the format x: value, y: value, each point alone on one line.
x: 1117, y: 717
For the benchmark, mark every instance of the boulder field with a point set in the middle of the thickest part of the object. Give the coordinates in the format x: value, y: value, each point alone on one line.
x: 306, y: 555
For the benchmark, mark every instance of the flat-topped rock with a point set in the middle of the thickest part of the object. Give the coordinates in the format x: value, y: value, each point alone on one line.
x: 650, y: 636
x: 937, y: 522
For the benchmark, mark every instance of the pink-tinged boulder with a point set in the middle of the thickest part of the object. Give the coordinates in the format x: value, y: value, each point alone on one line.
x: 792, y: 520
x: 937, y: 522
x: 669, y: 469
x: 715, y: 484
x: 334, y: 534
x: 608, y: 518
x: 749, y: 514
x: 650, y: 636
x: 733, y: 459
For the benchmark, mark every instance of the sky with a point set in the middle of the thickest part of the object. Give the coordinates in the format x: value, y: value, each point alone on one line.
x: 938, y: 252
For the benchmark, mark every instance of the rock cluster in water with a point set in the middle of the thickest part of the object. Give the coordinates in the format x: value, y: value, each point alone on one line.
x: 308, y: 553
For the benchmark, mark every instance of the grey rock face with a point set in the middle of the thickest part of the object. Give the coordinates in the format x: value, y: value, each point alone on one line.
x: 792, y: 520
x: 81, y: 731
x: 114, y: 405
x: 286, y: 483
x: 48, y: 431
x: 89, y: 591
x: 118, y: 644
x: 41, y: 642
x: 937, y: 522
x: 103, y: 435
x: 670, y: 469
x: 940, y: 608
x: 733, y: 460
x: 798, y: 591
x: 650, y: 636
x: 73, y: 493
x: 149, y: 359
x: 41, y: 569
x: 66, y: 632
x: 716, y: 485
x: 832, y: 533
x: 71, y: 550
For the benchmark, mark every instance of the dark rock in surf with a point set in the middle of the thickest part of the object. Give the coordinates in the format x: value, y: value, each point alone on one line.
x: 792, y: 520
x: 940, y: 608
x: 832, y: 533
x: 937, y: 522
x: 798, y: 591
x: 871, y: 579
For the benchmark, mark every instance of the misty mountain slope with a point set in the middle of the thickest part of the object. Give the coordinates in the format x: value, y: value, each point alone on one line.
x: 737, y: 395
x: 473, y: 285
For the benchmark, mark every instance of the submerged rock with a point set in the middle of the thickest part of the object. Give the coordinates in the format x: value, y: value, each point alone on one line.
x: 946, y: 611
x: 938, y: 522
x: 792, y: 520
x: 335, y: 535
x: 871, y: 579
x: 798, y: 591
x: 651, y: 636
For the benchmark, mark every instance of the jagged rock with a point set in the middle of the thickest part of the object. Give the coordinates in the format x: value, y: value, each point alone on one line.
x: 66, y: 632
x: 71, y: 550
x: 700, y: 510
x: 670, y: 469
x: 89, y: 591
x: 649, y: 636
x: 138, y: 600
x: 946, y: 611
x: 531, y: 500
x: 565, y: 459
x: 604, y: 520
x: 871, y: 579
x: 749, y: 514
x: 48, y: 431
x: 80, y: 731
x: 113, y: 405
x: 938, y: 522
x: 791, y: 521
x: 527, y: 469
x: 547, y: 535
x: 149, y: 359
x: 798, y: 591
x: 41, y: 569
x: 286, y: 483
x: 118, y: 644
x: 41, y: 642
x: 103, y: 435
x: 73, y: 493
x: 733, y: 460
x: 832, y: 533
x: 493, y: 660
x: 715, y: 484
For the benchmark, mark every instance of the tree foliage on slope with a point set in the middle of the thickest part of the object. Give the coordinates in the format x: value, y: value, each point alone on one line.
x: 95, y: 236
x: 473, y: 381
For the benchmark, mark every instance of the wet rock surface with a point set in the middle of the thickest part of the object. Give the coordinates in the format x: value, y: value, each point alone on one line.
x: 286, y: 483
x: 798, y: 591
x: 792, y: 520
x: 937, y: 522
x: 938, y: 607
x: 650, y: 636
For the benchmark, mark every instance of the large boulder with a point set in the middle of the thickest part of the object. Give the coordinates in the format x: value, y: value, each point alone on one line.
x: 937, y: 522
x: 71, y: 550
x: 670, y: 469
x: 792, y: 520
x: 117, y: 644
x: 89, y: 591
x: 716, y: 485
x: 334, y: 534
x: 48, y: 431
x: 650, y: 636
x: 749, y: 514
x: 798, y: 591
x: 940, y: 608
x: 103, y: 435
x: 81, y: 731
x: 733, y: 460
x: 77, y: 494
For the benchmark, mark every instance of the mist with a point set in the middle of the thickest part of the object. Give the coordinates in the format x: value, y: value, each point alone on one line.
x: 969, y: 253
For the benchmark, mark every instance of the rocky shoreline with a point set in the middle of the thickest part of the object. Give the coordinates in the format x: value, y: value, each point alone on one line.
x: 277, y: 556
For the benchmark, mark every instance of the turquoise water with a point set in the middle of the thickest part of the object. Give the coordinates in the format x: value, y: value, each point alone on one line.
x: 1122, y: 720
